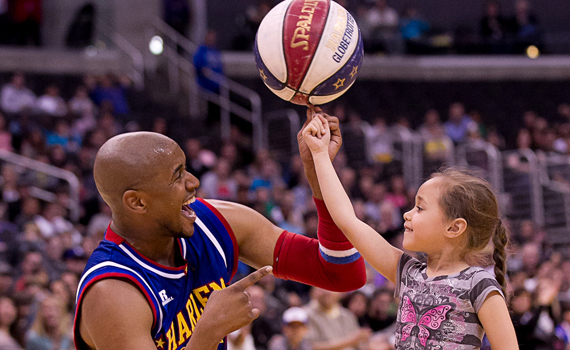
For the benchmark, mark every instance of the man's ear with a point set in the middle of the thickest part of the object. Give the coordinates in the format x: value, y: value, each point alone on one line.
x: 134, y: 201
x: 456, y: 228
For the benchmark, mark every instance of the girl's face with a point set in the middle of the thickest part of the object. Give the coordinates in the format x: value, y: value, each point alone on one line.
x: 425, y: 223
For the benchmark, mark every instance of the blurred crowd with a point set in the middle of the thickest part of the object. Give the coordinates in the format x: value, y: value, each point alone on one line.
x: 43, y: 250
x: 388, y: 30
x: 385, y: 29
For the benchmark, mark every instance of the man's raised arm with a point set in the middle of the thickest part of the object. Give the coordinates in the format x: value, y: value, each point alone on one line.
x: 331, y: 262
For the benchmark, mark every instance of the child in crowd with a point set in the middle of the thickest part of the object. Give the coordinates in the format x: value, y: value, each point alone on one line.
x: 449, y: 302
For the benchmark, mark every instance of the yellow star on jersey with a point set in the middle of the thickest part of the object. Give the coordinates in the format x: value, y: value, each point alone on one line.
x: 159, y: 343
x: 263, y: 76
x: 339, y: 83
x: 354, y: 71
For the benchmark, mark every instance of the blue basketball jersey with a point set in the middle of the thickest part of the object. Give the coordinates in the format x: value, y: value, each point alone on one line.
x: 177, y: 295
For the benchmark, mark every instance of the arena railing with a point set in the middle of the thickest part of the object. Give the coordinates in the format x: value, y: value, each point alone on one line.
x: 525, y: 162
x: 411, y: 155
x: 69, y: 177
x: 179, y: 52
x: 137, y: 69
x: 555, y: 178
x: 491, y: 164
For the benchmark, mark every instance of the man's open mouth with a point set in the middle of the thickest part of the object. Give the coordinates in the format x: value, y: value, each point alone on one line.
x: 186, y: 210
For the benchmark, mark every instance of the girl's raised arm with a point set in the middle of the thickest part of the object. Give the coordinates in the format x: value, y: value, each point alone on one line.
x: 374, y: 248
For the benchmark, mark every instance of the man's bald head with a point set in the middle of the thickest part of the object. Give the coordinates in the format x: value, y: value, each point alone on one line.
x: 128, y: 162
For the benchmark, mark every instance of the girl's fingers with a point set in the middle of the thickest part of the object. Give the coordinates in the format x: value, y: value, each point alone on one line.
x: 324, y: 123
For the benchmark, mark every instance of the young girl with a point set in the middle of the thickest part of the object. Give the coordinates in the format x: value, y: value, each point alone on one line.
x: 446, y: 303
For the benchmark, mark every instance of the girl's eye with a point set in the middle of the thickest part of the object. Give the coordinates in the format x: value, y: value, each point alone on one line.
x: 419, y: 208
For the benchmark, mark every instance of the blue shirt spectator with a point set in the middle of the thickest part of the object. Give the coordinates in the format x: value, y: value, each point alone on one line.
x: 458, y: 124
x: 206, y: 60
x: 108, y: 91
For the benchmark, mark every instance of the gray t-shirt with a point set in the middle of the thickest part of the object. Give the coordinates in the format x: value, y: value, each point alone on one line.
x: 440, y: 312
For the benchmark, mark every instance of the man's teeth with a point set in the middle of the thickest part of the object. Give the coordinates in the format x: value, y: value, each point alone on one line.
x: 190, y: 201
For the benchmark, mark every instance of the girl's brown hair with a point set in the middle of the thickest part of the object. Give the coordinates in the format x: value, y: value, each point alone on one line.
x: 471, y: 198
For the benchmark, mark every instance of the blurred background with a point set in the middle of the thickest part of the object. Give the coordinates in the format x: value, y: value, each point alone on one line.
x: 481, y: 84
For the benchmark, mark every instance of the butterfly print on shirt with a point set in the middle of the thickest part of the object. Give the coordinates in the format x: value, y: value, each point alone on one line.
x: 428, y: 319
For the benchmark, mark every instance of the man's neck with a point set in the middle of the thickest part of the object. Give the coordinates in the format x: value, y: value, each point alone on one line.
x: 159, y: 249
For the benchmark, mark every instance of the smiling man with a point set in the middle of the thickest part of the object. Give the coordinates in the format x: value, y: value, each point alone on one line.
x: 160, y: 278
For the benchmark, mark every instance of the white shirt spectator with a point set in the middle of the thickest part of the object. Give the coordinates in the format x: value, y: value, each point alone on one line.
x: 14, y: 99
x: 51, y: 103
x: 84, y: 107
x: 385, y: 18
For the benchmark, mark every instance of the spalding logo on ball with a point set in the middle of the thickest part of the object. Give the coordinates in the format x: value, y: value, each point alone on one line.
x: 308, y: 51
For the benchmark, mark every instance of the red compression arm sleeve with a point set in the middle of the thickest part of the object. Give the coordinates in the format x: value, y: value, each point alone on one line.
x: 331, y: 262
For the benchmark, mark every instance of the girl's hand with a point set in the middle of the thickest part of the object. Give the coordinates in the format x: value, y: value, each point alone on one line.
x: 317, y: 134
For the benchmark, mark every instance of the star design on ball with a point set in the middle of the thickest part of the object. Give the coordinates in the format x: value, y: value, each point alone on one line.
x: 159, y: 343
x: 263, y: 76
x: 354, y: 71
x: 339, y: 83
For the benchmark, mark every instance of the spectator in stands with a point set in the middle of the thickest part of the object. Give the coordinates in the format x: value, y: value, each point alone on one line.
x: 357, y: 302
x: 270, y: 176
x: 288, y: 216
x: 51, y: 103
x: 380, y: 142
x: 10, y: 189
x: 526, y: 315
x: 209, y: 68
x: 438, y: 147
x: 563, y: 329
x: 27, y: 18
x: 52, y: 222
x: 198, y: 159
x: 413, y: 30
x: 219, y: 183
x: 241, y: 339
x: 348, y: 179
x: 32, y: 272
x: 208, y: 61
x: 294, y: 331
x: 459, y: 123
x: 310, y: 223
x: 84, y: 108
x: 51, y: 327
x: 52, y: 258
x: 382, y: 312
x: 63, y: 137
x: 108, y: 124
x: 494, y: 29
x: 29, y: 209
x: 100, y: 221
x: 330, y: 325
x: 7, y: 318
x: 108, y: 90
x: 397, y: 194
x: 15, y: 96
x: 6, y: 280
x: 262, y: 328
x: 525, y: 27
x: 380, y: 210
x: 382, y: 23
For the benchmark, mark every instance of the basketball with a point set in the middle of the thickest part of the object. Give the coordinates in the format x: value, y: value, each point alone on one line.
x: 308, y: 51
